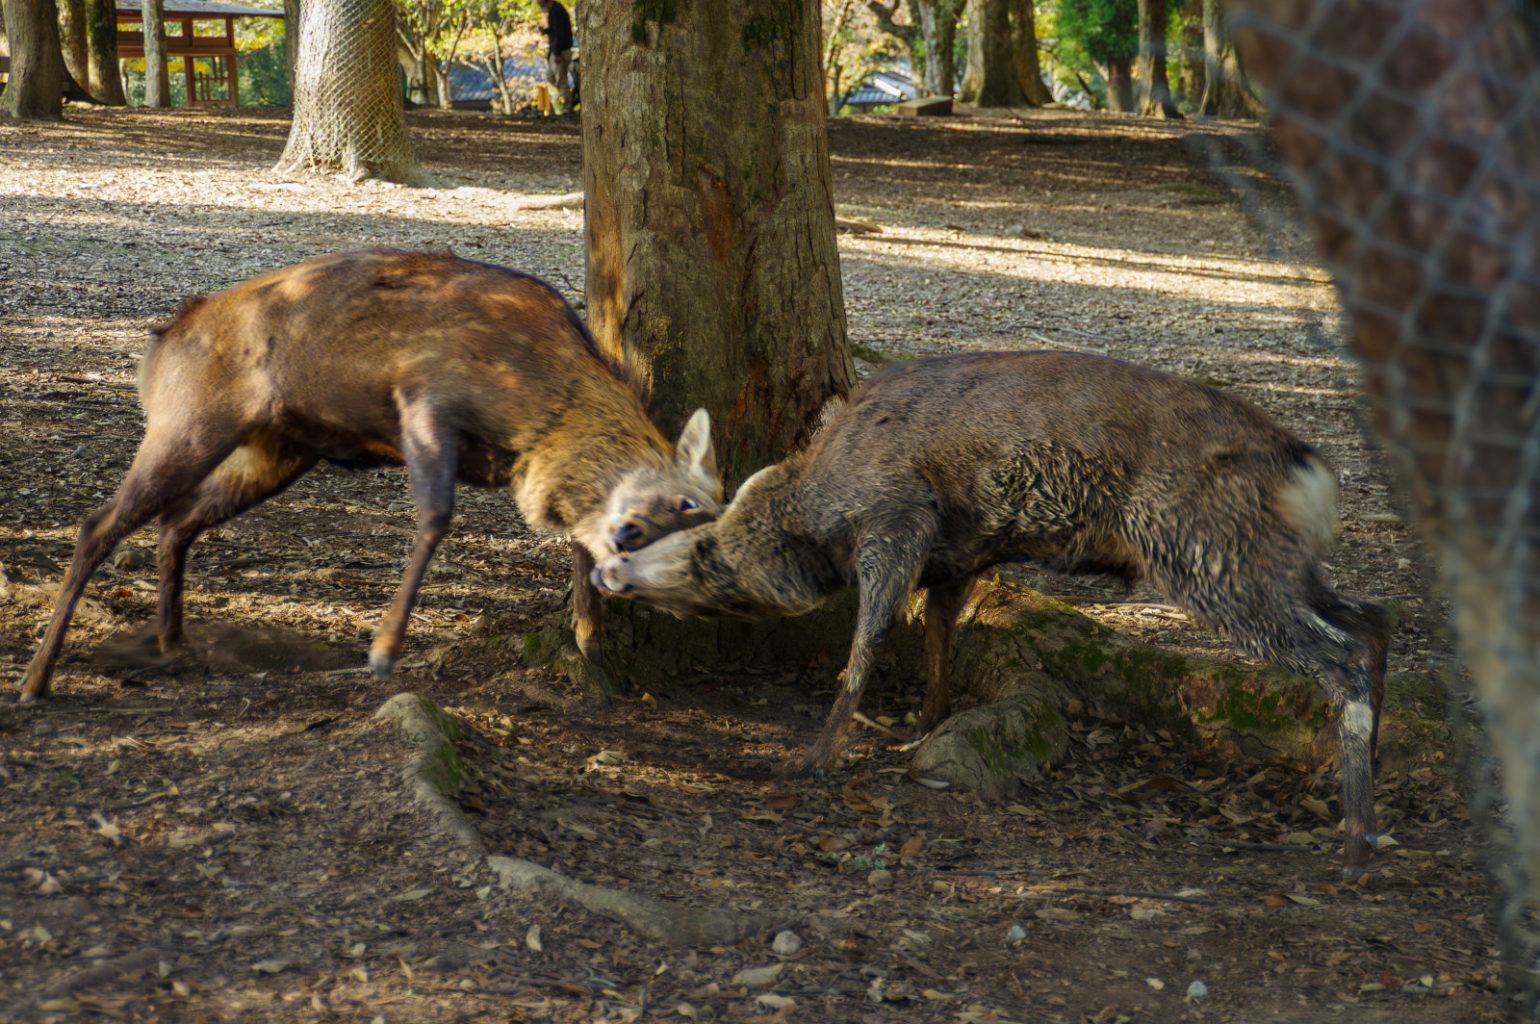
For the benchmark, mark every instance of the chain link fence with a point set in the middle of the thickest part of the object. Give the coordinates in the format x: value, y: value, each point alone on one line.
x: 1410, y: 132
x: 348, y: 114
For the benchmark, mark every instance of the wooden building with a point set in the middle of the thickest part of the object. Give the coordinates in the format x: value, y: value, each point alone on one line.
x: 201, y: 33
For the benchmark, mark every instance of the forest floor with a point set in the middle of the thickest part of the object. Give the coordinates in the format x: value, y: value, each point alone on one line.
x: 228, y: 839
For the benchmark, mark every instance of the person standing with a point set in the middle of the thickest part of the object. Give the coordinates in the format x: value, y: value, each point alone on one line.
x: 558, y: 55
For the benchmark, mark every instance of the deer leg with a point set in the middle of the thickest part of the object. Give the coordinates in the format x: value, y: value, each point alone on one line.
x: 431, y: 458
x: 260, y: 468
x: 886, y: 571
x: 587, y: 611
x: 167, y: 465
x: 943, y: 602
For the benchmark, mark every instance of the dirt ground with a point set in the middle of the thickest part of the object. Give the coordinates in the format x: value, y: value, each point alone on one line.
x: 227, y: 838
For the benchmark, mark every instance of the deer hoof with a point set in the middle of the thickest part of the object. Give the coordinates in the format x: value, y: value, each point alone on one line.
x: 381, y: 663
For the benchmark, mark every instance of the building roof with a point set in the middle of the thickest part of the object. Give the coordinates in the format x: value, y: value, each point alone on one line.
x: 878, y: 87
x: 205, y: 8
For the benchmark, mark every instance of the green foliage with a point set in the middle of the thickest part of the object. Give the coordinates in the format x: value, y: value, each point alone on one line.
x: 261, y: 68
x: 1089, y: 33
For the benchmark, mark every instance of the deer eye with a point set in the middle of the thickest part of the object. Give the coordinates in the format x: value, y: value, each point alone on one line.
x: 688, y: 504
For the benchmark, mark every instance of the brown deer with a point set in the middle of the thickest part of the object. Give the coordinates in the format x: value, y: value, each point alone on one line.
x: 941, y: 468
x: 458, y: 370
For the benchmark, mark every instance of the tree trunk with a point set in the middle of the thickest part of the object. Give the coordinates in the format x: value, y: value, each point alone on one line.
x: 1120, y: 85
x: 1029, y: 71
x: 712, y: 270
x: 290, y: 41
x: 72, y: 39
x: 35, y: 85
x: 1154, y: 82
x: 106, y: 84
x: 1189, y: 84
x: 938, y: 29
x: 157, y: 83
x: 1225, y: 92
x: 990, y: 80
x: 347, y: 107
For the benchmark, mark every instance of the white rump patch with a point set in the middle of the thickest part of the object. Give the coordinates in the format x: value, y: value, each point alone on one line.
x: 1309, y: 501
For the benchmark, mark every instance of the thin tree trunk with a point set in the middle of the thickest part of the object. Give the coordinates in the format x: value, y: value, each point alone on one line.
x: 35, y: 84
x: 157, y: 83
x: 72, y: 39
x: 1225, y: 92
x: 1029, y: 71
x: 1120, y: 85
x: 712, y: 270
x: 106, y: 84
x: 1189, y: 85
x: 291, y: 16
x: 938, y: 29
x: 1154, y: 82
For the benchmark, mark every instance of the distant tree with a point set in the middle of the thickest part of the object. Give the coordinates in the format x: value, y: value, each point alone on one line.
x: 1101, y: 34
x: 854, y: 45
x: 1189, y: 35
x: 157, y: 82
x: 1225, y: 89
x: 431, y: 32
x: 35, y: 86
x: 990, y: 79
x: 291, y: 40
x: 72, y: 38
x: 347, y: 104
x: 106, y: 83
x: 938, y: 31
x: 498, y: 27
x: 1029, y: 71
x: 1154, y: 84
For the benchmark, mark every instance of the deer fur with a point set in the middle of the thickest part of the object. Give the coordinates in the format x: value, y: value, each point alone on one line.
x: 939, y: 469
x: 457, y: 370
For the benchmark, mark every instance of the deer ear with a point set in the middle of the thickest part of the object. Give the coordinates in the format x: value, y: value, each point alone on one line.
x: 697, y: 456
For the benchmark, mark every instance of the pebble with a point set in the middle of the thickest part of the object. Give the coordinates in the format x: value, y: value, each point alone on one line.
x: 1015, y: 933
x: 786, y: 944
x: 880, y: 878
x: 1197, y: 990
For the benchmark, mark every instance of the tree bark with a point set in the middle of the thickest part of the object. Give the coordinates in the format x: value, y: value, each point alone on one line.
x: 347, y: 107
x: 1029, y: 71
x: 938, y: 29
x: 106, y: 84
x: 291, y: 18
x: 157, y: 82
x: 1154, y: 82
x: 712, y: 270
x: 72, y: 39
x: 1120, y: 85
x: 35, y: 84
x: 990, y: 80
x: 1189, y: 84
x: 1225, y: 92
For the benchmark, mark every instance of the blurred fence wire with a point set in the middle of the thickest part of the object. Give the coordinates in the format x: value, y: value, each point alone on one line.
x: 1410, y: 132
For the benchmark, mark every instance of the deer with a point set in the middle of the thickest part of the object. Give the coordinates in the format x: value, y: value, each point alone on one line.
x: 458, y: 370
x: 939, y: 469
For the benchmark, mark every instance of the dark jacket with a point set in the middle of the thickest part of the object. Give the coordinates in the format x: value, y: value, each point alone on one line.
x: 558, y: 29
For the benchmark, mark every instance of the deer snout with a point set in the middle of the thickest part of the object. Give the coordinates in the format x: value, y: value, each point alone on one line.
x: 602, y: 577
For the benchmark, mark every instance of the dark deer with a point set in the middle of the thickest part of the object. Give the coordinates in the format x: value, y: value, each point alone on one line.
x: 939, y: 469
x: 458, y: 370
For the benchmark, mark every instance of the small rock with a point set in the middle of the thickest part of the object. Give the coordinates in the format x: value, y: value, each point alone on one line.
x: 532, y: 939
x: 881, y: 878
x: 1015, y: 933
x: 758, y: 977
x: 1197, y: 990
x: 786, y: 944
